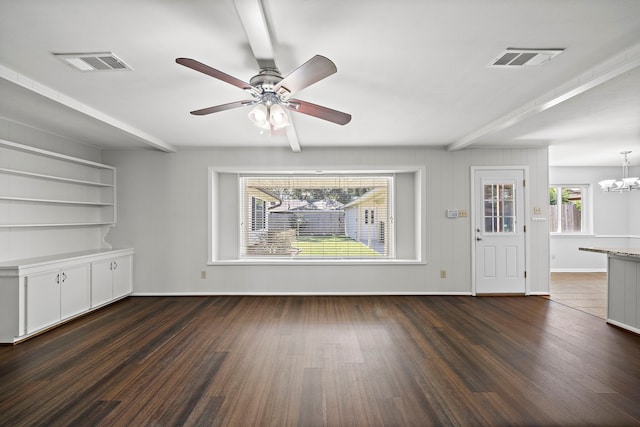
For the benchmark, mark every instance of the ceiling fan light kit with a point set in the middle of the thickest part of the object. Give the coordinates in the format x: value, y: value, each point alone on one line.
x: 269, y: 117
x: 272, y: 93
x: 623, y: 184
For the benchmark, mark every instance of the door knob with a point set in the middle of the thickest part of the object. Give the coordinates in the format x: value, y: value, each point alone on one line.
x: 478, y: 238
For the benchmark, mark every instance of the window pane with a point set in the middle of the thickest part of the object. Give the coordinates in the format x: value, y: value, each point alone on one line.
x: 508, y: 224
x: 571, y: 212
x: 566, y: 210
x: 499, y: 208
x: 507, y: 208
x: 341, y: 216
x: 489, y: 208
x: 488, y: 225
x: 489, y: 192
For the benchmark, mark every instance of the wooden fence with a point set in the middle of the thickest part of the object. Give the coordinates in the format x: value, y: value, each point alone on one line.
x: 571, y: 218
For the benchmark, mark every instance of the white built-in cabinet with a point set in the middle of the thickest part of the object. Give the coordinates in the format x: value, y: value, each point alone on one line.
x: 52, y: 203
x: 40, y: 188
x: 55, y: 295
x: 109, y: 279
x: 39, y: 293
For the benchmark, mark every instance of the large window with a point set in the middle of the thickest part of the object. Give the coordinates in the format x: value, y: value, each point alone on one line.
x: 340, y: 216
x: 568, y: 207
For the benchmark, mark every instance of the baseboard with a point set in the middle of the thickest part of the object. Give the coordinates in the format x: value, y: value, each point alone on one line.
x: 190, y: 294
x: 579, y: 270
x: 623, y: 326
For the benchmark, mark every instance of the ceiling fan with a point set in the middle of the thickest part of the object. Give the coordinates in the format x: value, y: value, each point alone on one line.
x: 271, y: 93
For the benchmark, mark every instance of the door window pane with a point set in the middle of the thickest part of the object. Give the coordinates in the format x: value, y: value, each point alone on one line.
x: 499, y: 208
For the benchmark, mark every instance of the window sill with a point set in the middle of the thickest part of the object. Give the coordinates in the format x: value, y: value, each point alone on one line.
x: 279, y: 262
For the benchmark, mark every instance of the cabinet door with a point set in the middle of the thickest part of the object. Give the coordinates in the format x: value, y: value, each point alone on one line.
x: 122, y: 276
x: 74, y: 291
x: 43, y: 300
x: 101, y: 279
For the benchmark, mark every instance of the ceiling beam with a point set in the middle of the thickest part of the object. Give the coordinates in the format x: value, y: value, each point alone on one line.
x: 596, y: 76
x: 256, y: 28
x: 66, y: 101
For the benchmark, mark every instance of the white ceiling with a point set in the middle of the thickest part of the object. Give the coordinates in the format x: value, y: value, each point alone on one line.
x: 411, y: 73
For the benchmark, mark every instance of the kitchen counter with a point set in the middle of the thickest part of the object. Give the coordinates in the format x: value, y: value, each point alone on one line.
x: 630, y: 252
x: 623, y: 286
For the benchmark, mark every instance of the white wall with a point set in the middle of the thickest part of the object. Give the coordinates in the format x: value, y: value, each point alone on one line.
x: 634, y: 213
x: 614, y: 217
x: 162, y: 213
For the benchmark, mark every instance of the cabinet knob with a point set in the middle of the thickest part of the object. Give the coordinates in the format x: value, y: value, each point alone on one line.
x: 64, y: 277
x: 58, y: 278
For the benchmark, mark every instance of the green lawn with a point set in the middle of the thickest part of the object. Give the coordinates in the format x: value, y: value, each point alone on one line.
x: 337, y: 246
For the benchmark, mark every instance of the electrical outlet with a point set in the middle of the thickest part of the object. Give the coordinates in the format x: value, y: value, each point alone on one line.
x: 203, y: 274
x: 443, y: 274
x: 537, y: 211
x: 463, y: 214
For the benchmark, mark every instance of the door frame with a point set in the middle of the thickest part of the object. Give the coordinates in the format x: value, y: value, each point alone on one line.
x: 525, y: 210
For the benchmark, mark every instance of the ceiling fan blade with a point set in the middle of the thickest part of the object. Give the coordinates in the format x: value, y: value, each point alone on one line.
x: 222, y: 107
x: 312, y: 71
x: 319, y: 111
x: 205, y: 69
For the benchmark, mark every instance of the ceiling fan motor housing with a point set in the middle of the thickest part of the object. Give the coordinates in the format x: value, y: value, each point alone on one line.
x: 266, y: 79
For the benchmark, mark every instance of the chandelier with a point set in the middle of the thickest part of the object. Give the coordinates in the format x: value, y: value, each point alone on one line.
x: 623, y: 184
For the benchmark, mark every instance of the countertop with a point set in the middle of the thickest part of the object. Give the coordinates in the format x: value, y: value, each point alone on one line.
x: 624, y: 252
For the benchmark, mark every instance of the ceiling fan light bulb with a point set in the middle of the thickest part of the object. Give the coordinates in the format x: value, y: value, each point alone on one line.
x: 258, y: 115
x: 278, y: 116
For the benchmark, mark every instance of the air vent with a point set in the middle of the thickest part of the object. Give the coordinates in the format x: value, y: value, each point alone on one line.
x: 514, y: 57
x: 104, y: 61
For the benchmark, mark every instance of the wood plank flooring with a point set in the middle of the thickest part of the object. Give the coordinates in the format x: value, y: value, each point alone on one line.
x: 325, y: 361
x: 583, y: 291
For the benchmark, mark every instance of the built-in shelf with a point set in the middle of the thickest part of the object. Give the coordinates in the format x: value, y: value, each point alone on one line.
x: 53, y: 201
x: 54, y: 178
x: 46, y: 189
x: 44, y: 225
x: 45, y: 153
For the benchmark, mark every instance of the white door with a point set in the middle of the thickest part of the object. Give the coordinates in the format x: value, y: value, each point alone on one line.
x: 499, y: 231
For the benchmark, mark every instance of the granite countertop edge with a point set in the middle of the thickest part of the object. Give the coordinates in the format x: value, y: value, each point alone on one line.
x: 624, y: 252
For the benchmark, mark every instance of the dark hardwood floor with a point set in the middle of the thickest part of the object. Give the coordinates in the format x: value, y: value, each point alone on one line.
x: 306, y: 361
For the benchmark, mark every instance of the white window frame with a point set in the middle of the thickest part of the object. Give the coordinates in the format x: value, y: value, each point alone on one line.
x: 586, y: 210
x: 410, y: 222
